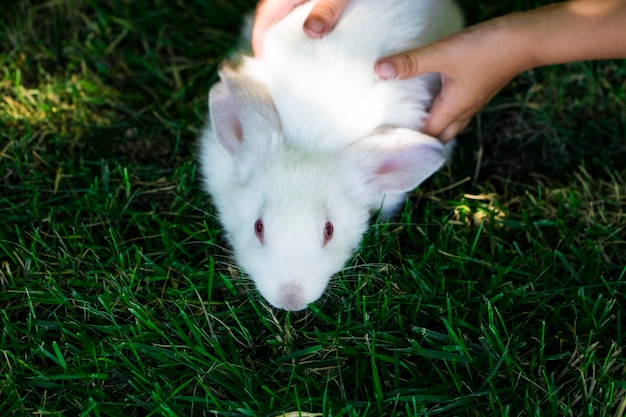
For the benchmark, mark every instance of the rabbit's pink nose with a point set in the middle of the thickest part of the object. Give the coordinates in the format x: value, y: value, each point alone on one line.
x: 291, y: 298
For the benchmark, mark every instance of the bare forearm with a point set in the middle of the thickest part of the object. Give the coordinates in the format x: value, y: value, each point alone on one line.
x: 575, y: 30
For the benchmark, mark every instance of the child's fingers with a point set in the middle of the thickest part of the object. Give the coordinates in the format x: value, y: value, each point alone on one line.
x: 324, y: 17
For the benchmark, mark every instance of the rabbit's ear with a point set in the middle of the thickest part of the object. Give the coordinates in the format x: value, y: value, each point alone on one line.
x: 397, y: 160
x: 242, y: 111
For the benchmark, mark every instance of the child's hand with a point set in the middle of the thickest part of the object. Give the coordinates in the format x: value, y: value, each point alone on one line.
x: 477, y: 62
x: 474, y: 65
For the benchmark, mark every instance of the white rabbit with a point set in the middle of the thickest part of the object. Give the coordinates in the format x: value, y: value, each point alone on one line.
x: 305, y: 143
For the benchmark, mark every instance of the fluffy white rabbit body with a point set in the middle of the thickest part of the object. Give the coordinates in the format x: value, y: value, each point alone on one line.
x: 305, y: 143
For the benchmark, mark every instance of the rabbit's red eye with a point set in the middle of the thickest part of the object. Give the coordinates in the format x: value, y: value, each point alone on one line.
x: 259, y: 229
x: 329, y: 229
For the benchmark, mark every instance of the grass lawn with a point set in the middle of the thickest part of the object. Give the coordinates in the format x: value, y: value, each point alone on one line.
x: 499, y: 290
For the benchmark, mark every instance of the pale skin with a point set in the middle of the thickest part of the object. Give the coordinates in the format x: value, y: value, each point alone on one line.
x: 478, y: 61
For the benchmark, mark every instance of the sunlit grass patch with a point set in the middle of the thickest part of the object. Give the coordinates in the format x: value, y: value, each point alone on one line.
x: 56, y: 106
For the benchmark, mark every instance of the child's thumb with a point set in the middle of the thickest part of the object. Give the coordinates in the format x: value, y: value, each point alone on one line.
x: 408, y: 64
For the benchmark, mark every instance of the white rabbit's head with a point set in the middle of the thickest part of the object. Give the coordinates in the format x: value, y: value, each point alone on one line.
x: 294, y: 216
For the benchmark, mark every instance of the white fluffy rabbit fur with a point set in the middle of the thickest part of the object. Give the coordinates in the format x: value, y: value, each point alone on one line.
x: 305, y: 143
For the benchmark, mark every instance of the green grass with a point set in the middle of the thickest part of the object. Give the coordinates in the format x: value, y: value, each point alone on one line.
x: 499, y: 291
